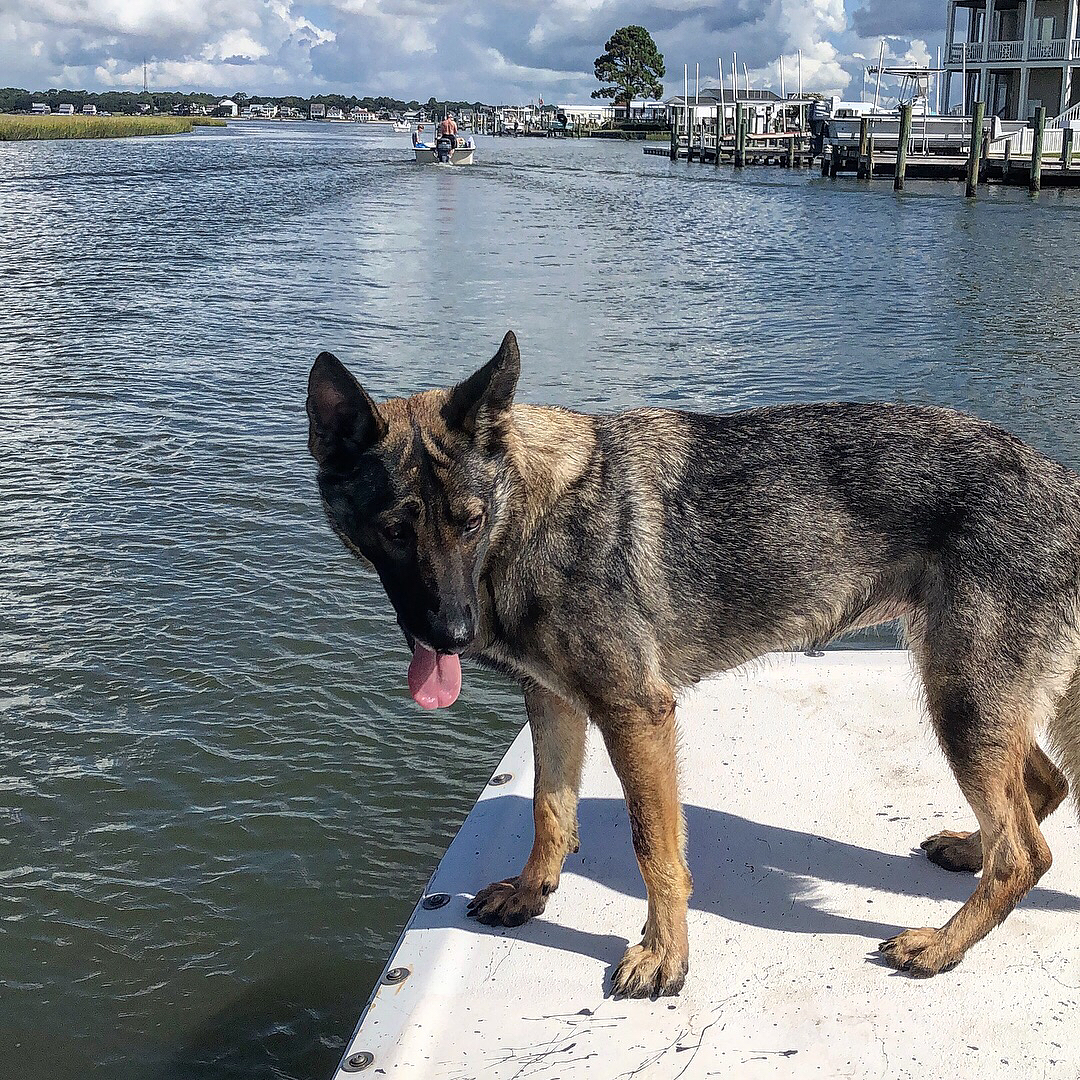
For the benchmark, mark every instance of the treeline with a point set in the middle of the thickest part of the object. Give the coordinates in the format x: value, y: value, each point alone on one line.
x: 13, y: 99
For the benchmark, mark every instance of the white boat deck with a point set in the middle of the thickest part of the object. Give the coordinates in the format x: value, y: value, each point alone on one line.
x: 807, y: 781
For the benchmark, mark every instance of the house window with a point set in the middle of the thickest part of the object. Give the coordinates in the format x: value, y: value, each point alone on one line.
x: 1043, y: 28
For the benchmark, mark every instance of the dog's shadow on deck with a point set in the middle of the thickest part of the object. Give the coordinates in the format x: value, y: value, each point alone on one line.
x: 745, y: 871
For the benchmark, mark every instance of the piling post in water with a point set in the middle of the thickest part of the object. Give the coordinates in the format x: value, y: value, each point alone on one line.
x: 902, y: 147
x: 791, y: 151
x: 870, y: 153
x: 864, y: 146
x: 1066, y: 147
x: 1006, y: 167
x: 719, y: 131
x: 975, y: 149
x: 740, y: 137
x: 673, y: 149
x: 1035, y: 177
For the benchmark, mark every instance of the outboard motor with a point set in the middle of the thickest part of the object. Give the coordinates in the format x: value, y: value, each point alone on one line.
x: 444, y: 145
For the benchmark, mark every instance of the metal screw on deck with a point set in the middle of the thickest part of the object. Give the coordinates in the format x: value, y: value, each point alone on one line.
x: 502, y: 778
x: 396, y: 975
x: 358, y: 1062
x: 434, y: 901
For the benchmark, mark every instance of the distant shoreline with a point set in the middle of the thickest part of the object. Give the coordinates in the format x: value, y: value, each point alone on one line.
x: 22, y: 128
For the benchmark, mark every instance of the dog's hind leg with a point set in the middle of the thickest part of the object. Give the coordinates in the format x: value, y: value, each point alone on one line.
x: 1046, y: 789
x: 985, y: 722
x: 558, y: 736
x: 641, y: 743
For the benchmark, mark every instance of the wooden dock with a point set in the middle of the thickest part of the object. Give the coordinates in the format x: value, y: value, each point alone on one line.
x: 1032, y: 156
x: 787, y: 150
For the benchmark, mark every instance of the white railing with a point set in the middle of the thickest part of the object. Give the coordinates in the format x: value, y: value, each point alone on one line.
x: 1005, y: 50
x: 974, y: 51
x: 1022, y: 142
x: 1076, y: 49
x: 1067, y: 117
x: 1046, y: 50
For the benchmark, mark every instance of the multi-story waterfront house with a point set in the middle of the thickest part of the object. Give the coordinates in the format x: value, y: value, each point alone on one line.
x: 1013, y: 54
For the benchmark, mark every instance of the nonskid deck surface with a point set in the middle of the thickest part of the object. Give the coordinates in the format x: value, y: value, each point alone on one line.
x: 808, y: 782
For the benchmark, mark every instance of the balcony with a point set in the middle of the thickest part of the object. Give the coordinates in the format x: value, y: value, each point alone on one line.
x: 1076, y: 49
x: 1046, y: 50
x: 1005, y: 50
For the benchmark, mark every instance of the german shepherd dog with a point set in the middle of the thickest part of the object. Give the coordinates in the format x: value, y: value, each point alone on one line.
x: 606, y: 562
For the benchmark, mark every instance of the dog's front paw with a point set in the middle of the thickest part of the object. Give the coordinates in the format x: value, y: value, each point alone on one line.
x: 920, y: 952
x: 957, y: 851
x: 508, y: 903
x: 649, y: 971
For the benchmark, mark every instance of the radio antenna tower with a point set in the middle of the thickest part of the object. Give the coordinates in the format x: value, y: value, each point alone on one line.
x: 145, y: 84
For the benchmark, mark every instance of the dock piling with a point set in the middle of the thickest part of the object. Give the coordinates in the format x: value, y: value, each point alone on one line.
x: 902, y: 147
x: 740, y: 137
x: 1066, y: 147
x: 864, y: 147
x: 975, y: 149
x: 1035, y: 176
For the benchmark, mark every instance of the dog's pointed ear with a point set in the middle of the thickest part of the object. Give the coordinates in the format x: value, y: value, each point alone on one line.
x: 343, y: 421
x: 477, y: 405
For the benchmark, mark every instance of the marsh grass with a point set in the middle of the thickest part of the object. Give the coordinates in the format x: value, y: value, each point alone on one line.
x: 90, y: 127
x: 208, y: 121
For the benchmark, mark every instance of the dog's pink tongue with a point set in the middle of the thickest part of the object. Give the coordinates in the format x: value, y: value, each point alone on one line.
x: 434, y: 678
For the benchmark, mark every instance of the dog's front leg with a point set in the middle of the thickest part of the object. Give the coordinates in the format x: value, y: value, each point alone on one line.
x: 558, y: 734
x: 641, y: 742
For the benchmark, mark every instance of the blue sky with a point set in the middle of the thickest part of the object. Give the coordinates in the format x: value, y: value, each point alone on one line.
x: 494, y: 52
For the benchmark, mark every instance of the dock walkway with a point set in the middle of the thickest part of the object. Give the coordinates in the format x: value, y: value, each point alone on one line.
x: 808, y: 781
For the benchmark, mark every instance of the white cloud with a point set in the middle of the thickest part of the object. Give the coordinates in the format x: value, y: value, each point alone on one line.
x: 496, y: 51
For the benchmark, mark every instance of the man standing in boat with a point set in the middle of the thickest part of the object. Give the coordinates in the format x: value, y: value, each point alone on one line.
x: 448, y: 128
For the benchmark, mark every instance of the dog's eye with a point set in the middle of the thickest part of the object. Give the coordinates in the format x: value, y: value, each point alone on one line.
x: 396, y: 532
x: 473, y: 523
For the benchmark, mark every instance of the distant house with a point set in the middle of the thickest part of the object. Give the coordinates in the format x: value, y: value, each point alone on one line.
x: 318, y: 111
x: 66, y: 109
x: 286, y: 112
x: 227, y: 107
x: 39, y: 108
x: 334, y: 113
x: 89, y: 110
x: 588, y: 115
x: 264, y: 112
x: 759, y: 106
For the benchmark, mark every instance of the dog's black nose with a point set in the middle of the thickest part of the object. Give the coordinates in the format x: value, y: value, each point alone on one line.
x: 452, y: 628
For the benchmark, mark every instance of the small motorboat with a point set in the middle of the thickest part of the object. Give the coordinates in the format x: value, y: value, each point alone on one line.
x: 402, y: 125
x: 444, y: 152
